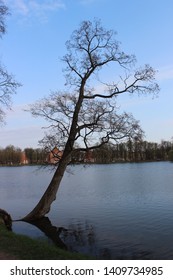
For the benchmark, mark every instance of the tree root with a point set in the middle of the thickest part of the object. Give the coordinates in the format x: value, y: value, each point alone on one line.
x: 5, y: 219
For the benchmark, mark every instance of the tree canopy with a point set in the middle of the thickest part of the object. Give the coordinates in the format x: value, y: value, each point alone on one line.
x: 92, y: 115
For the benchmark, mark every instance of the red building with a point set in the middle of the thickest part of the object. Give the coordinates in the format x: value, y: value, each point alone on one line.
x: 24, y: 159
x: 54, y: 156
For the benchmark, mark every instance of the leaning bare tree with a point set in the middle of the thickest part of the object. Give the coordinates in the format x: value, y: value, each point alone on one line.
x: 86, y: 117
x: 8, y: 85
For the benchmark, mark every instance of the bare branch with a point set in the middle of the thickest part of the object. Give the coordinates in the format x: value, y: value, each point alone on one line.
x: 90, y: 48
x: 141, y: 82
x: 3, y: 12
x: 8, y: 85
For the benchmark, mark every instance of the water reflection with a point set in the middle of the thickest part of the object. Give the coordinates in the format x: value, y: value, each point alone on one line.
x: 52, y: 232
x: 73, y: 239
x: 83, y: 238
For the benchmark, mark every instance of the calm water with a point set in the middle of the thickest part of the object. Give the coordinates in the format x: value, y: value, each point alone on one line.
x: 117, y: 211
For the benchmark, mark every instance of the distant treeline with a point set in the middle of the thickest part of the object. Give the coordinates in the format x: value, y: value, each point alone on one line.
x: 135, y: 151
x: 131, y: 151
x: 15, y: 156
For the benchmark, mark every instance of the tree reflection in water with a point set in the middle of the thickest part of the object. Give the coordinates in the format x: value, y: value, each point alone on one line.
x: 52, y: 232
x: 77, y: 238
x: 82, y: 238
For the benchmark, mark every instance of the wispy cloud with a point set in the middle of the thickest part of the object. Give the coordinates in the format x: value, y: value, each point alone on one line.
x: 19, y: 6
x: 22, y: 137
x: 86, y: 2
x: 35, y: 8
x: 22, y: 130
x: 165, y: 73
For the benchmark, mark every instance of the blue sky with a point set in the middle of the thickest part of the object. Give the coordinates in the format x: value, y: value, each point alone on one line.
x: 35, y: 41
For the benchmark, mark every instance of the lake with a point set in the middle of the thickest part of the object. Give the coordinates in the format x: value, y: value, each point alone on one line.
x: 114, y: 211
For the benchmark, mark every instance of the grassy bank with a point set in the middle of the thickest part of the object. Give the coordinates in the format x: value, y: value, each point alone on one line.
x: 24, y: 248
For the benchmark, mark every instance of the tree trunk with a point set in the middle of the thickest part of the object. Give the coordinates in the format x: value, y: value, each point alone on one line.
x: 43, y: 206
x: 5, y: 219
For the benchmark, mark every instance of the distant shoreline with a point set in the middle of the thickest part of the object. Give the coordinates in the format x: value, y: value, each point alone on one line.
x: 82, y: 163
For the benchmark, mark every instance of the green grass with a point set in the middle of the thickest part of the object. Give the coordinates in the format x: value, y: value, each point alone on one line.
x: 26, y: 248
